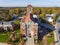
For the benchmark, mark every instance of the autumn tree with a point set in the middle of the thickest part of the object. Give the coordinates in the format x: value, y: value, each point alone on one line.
x: 36, y: 11
x: 42, y: 16
x: 8, y: 17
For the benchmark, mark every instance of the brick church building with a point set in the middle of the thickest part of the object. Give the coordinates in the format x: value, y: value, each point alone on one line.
x: 29, y: 25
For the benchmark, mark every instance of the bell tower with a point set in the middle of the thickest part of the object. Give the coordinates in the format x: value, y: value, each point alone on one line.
x: 29, y: 9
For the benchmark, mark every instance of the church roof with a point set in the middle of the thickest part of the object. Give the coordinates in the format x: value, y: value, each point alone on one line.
x: 27, y: 18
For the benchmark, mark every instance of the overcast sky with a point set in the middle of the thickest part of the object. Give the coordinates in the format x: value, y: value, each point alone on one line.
x: 40, y: 3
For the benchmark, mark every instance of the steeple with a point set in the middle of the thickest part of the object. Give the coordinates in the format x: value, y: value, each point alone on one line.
x: 29, y: 9
x: 28, y: 14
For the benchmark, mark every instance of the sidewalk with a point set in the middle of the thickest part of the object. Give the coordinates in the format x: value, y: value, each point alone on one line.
x: 55, y: 36
x: 3, y: 44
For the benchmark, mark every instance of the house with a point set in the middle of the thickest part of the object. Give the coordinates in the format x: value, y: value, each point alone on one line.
x: 14, y: 16
x: 49, y: 17
x: 5, y: 25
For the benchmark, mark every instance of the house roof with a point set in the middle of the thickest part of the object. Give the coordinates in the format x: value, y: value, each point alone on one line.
x: 6, y: 24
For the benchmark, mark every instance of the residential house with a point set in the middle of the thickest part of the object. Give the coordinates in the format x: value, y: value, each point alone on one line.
x: 6, y: 25
x: 49, y: 17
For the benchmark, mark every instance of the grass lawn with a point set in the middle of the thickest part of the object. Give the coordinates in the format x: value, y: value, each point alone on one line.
x: 4, y: 37
x: 50, y: 39
x: 40, y: 43
x: 18, y: 30
x: 17, y: 22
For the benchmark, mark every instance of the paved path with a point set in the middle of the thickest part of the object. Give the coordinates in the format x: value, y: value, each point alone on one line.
x: 3, y: 44
x: 57, y: 33
x: 30, y: 41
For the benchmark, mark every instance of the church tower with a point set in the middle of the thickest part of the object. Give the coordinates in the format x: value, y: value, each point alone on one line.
x: 29, y: 9
x: 27, y: 26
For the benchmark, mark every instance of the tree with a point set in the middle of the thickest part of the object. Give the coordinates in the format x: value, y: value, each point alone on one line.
x: 36, y: 11
x: 11, y: 11
x: 16, y: 11
x: 8, y: 17
x: 42, y: 16
x: 1, y: 18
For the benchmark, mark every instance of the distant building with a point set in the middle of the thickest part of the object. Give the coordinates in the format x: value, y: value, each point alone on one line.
x: 14, y: 16
x: 6, y: 25
x: 49, y: 17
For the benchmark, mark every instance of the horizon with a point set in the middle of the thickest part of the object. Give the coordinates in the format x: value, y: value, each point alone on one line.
x: 27, y: 5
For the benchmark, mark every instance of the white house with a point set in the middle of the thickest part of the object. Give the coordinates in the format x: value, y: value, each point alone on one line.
x: 34, y: 16
x: 49, y: 17
x: 5, y: 25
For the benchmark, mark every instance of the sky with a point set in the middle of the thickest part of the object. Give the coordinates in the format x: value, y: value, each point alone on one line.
x: 38, y: 3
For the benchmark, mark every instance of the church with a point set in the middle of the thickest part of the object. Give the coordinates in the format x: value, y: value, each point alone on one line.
x: 29, y: 25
